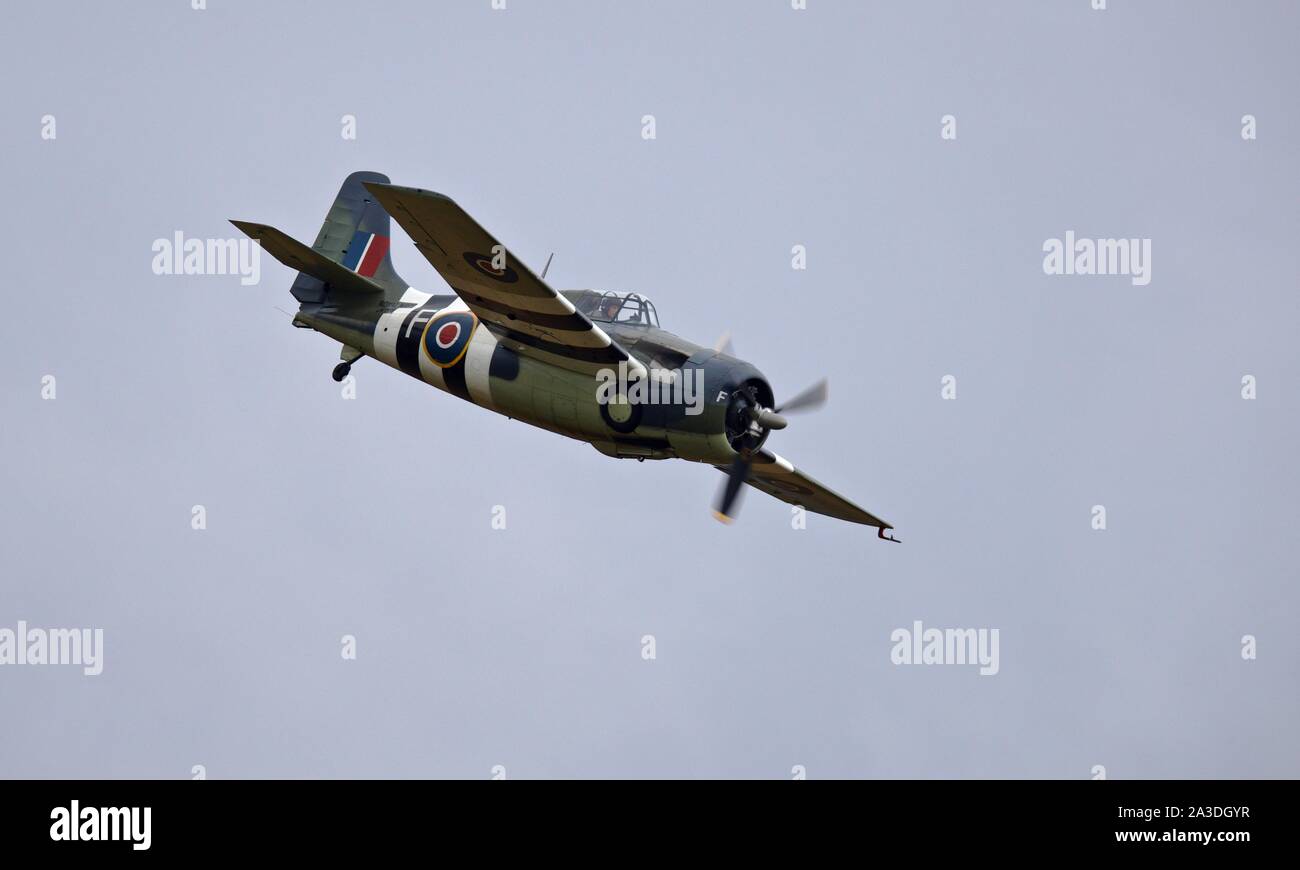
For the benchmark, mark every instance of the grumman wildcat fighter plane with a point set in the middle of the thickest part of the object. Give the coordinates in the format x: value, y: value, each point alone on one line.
x: 591, y: 365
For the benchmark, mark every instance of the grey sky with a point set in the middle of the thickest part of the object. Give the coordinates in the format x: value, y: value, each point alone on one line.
x: 774, y: 127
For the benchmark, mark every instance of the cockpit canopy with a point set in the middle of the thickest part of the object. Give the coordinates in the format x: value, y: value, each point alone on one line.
x: 611, y: 306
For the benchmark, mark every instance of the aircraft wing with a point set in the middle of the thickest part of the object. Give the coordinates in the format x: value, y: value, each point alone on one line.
x: 778, y: 477
x: 534, y: 319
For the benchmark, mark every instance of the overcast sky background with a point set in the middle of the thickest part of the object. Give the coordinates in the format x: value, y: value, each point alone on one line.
x: 775, y: 127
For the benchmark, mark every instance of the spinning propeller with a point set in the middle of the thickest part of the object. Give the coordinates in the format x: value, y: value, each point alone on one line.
x: 748, y: 425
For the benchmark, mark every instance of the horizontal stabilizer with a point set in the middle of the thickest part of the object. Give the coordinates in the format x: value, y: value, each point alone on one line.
x: 296, y: 255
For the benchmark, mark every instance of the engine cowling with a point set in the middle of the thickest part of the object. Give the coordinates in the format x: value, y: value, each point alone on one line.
x: 745, y: 429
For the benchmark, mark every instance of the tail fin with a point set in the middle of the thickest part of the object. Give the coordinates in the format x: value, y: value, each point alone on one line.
x: 356, y: 236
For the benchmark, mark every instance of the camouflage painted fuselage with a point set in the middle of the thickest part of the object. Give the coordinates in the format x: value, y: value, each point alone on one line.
x: 489, y: 373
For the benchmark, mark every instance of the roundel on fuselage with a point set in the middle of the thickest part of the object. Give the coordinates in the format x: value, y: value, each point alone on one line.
x: 447, y: 336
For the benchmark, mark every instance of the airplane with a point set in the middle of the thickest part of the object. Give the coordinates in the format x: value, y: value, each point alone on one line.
x: 591, y: 365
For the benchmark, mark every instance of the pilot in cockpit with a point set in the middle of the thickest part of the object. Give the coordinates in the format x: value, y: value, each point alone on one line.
x: 610, y: 306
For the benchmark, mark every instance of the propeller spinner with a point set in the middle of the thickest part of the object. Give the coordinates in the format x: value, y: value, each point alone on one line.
x: 748, y: 425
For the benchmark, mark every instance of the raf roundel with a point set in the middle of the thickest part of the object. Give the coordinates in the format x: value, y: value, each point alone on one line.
x: 483, y: 263
x: 447, y: 336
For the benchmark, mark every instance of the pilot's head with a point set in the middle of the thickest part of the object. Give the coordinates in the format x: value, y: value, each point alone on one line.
x: 610, y: 307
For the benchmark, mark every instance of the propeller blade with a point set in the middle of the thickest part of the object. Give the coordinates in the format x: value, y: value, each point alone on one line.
x: 813, y: 397
x: 723, y: 344
x: 770, y: 419
x: 725, y: 509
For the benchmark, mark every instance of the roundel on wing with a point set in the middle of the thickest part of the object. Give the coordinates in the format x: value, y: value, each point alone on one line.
x: 446, y: 337
x: 483, y: 263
